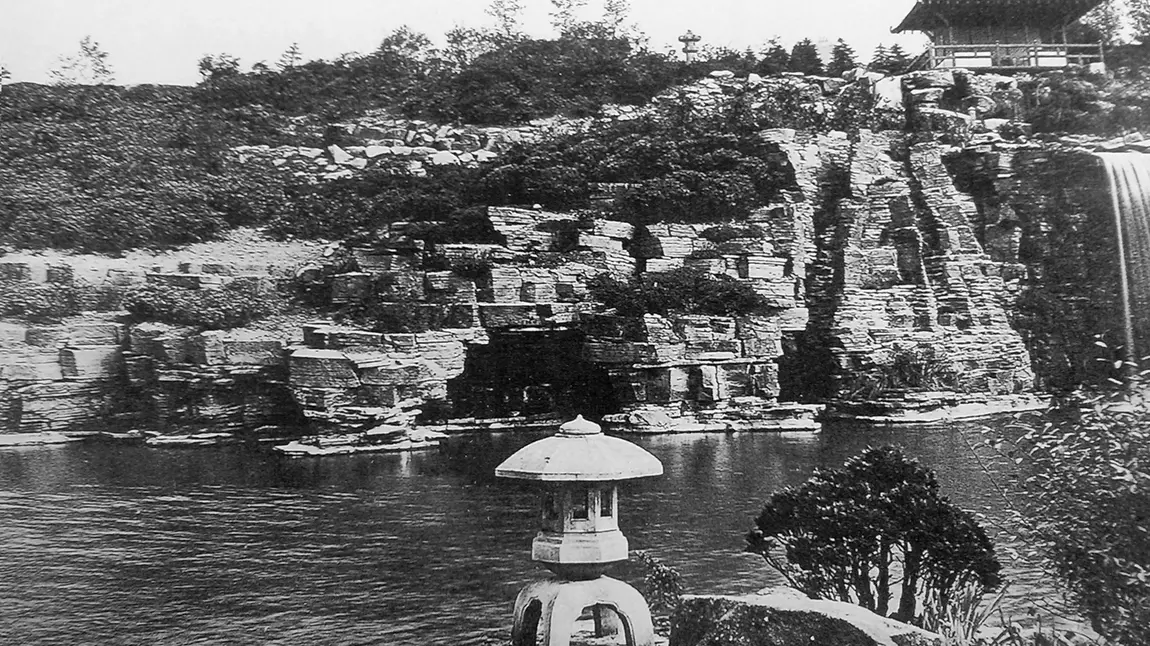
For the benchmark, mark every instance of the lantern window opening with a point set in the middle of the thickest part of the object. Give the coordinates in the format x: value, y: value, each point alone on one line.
x: 581, y: 504
x: 607, y: 503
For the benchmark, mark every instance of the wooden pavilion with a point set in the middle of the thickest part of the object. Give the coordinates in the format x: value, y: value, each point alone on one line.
x: 1002, y: 34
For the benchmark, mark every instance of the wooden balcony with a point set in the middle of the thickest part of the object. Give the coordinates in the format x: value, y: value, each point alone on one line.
x: 1012, y: 56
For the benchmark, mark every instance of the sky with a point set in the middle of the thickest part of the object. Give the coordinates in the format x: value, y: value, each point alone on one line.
x: 160, y: 41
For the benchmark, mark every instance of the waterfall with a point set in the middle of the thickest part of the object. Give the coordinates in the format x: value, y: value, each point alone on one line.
x: 1129, y: 178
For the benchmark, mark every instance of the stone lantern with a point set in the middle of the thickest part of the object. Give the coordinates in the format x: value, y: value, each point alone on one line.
x: 690, y: 45
x: 579, y: 537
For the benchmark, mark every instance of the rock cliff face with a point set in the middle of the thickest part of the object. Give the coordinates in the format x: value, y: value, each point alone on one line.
x: 1046, y: 210
x: 903, y: 295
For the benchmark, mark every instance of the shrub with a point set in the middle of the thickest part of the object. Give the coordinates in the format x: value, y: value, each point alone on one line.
x: 359, y: 205
x: 698, y: 170
x: 1083, y: 501
x: 235, y: 305
x: 683, y: 291
x: 913, y: 368
x: 846, y: 534
x: 662, y: 584
x: 727, y: 232
x: 38, y: 303
x: 1065, y: 101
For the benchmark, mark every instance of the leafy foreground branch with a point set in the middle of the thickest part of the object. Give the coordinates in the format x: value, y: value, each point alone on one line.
x: 1083, y: 491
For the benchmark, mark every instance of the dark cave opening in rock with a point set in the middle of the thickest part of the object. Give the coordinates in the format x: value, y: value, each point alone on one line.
x: 531, y: 373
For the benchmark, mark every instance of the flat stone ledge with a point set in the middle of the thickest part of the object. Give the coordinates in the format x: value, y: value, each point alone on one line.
x: 35, y: 439
x: 944, y: 409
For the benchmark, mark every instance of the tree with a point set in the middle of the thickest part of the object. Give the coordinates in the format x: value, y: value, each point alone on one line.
x: 899, y: 60
x: 775, y: 59
x: 290, y: 58
x: 805, y: 58
x: 220, y: 66
x: 464, y: 44
x: 407, y: 45
x: 616, y: 13
x: 89, y: 66
x: 842, y: 59
x: 507, y: 14
x: 880, y: 60
x: 563, y: 17
x: 853, y: 533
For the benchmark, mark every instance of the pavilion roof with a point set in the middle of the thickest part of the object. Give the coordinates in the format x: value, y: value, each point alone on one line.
x: 930, y: 15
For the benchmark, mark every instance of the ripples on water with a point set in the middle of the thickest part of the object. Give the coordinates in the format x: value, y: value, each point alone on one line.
x: 131, y: 545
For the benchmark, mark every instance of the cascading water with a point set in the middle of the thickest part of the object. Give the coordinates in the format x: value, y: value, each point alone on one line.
x: 1129, y: 178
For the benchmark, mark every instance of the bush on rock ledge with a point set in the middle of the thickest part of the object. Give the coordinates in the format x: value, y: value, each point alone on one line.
x: 686, y: 291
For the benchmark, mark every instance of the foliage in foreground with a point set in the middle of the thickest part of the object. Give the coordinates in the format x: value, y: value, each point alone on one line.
x: 1083, y: 491
x: 855, y: 534
x: 662, y: 584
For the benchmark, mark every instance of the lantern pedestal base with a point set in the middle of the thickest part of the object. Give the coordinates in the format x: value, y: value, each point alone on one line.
x: 546, y: 611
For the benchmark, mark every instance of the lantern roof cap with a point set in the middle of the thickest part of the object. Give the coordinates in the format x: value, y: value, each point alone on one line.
x: 580, y: 452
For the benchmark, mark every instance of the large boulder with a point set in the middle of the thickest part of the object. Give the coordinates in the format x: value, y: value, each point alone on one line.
x: 786, y: 617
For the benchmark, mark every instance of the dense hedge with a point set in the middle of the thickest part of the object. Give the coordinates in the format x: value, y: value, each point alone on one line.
x: 235, y: 305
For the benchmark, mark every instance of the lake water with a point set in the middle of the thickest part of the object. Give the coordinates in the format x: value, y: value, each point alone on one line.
x: 133, y: 545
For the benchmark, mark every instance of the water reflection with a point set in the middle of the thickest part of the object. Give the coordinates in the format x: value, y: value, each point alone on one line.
x: 130, y: 545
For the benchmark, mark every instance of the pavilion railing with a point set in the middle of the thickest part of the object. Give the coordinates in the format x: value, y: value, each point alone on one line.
x: 1014, y: 55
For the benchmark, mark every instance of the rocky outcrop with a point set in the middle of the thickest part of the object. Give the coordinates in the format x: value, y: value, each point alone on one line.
x: 897, y: 268
x: 59, y: 377
x: 786, y: 617
x: 406, y: 145
x: 185, y: 382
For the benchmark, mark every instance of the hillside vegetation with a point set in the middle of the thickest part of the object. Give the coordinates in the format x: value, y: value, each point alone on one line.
x: 105, y: 169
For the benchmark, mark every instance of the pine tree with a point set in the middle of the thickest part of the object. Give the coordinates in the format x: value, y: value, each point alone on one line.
x: 805, y: 58
x: 842, y: 59
x: 899, y: 61
x: 775, y: 59
x: 880, y: 61
x: 290, y: 58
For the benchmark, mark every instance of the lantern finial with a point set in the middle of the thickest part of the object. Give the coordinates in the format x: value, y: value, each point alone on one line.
x: 580, y: 426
